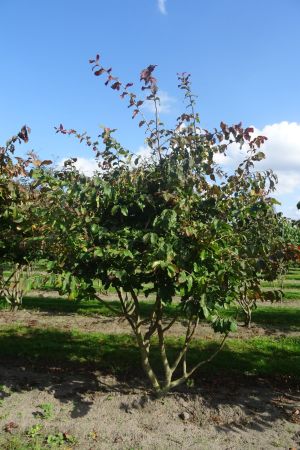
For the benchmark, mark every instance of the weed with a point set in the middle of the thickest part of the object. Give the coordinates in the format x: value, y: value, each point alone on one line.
x: 35, y: 430
x: 47, y: 411
x: 93, y: 435
x: 55, y: 439
x: 70, y: 438
x: 190, y: 383
x: 59, y: 439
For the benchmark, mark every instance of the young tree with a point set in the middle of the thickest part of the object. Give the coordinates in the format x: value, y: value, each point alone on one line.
x: 17, y: 228
x: 167, y: 227
x: 263, y: 255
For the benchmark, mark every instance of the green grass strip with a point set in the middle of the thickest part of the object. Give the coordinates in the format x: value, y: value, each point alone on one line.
x: 290, y: 284
x: 279, y: 315
x: 119, y: 354
x: 294, y: 276
x: 291, y: 295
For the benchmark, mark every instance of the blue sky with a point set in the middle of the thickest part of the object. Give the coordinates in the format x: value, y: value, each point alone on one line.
x: 243, y: 56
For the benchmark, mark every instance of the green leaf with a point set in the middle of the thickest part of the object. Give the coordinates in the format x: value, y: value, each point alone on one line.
x: 115, y: 209
x: 206, y: 312
x: 128, y: 253
x: 124, y: 210
x: 182, y: 277
x: 189, y: 282
x: 233, y: 327
x: 203, y: 254
x: 95, y: 228
x: 107, y: 190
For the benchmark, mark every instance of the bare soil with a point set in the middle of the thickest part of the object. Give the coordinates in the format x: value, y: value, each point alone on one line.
x: 103, y: 413
x: 115, y: 325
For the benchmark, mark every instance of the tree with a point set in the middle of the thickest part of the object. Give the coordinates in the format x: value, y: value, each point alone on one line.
x: 17, y: 228
x: 264, y: 256
x: 167, y: 227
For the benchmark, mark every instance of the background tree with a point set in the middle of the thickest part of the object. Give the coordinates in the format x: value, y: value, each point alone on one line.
x: 264, y: 255
x: 17, y: 228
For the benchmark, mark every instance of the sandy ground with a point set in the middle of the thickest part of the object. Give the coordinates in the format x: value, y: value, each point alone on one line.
x: 104, y: 414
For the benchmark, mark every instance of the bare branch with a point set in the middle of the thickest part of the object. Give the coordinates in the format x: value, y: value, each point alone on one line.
x: 201, y: 363
x: 188, y: 337
x: 107, y: 305
x: 128, y: 315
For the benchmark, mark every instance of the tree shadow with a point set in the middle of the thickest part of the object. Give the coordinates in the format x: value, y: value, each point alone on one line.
x: 74, y: 366
x: 280, y: 319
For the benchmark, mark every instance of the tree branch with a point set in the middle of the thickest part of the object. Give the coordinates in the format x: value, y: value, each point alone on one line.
x: 107, y: 305
x: 201, y: 363
x: 188, y: 337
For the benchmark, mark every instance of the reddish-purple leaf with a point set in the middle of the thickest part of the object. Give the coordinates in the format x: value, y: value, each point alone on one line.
x: 110, y: 78
x: 24, y: 133
x: 146, y: 74
x: 249, y: 130
x: 141, y: 123
x: 135, y: 112
x: 10, y: 426
x: 99, y: 72
x: 116, y: 85
x: 131, y: 101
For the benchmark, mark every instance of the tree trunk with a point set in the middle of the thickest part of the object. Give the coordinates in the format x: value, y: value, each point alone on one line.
x: 248, y: 317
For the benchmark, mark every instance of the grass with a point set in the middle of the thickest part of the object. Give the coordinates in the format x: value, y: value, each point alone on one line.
x: 21, y: 442
x: 280, y: 316
x: 85, y: 307
x: 42, y: 441
x: 63, y: 305
x: 293, y: 276
x: 118, y: 354
x: 291, y: 295
x: 286, y: 285
x: 272, y: 315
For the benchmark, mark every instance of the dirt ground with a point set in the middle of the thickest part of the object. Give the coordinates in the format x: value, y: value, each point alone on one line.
x: 114, y: 325
x: 103, y: 413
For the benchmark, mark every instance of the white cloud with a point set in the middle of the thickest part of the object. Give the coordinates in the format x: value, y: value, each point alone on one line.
x: 85, y: 165
x: 165, y: 105
x: 162, y: 6
x: 144, y: 152
x: 291, y: 211
x: 282, y: 150
x: 288, y: 182
x: 283, y: 146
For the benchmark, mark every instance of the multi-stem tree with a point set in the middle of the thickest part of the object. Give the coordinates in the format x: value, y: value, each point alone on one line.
x: 167, y: 227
